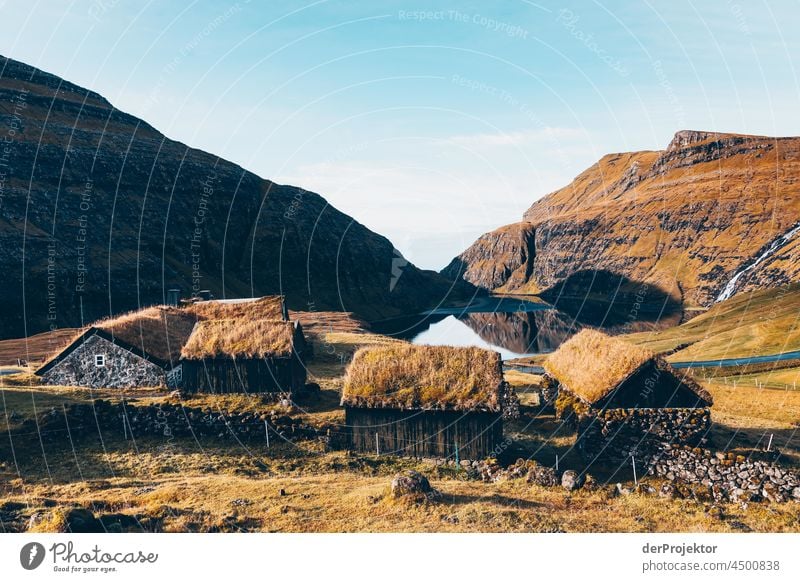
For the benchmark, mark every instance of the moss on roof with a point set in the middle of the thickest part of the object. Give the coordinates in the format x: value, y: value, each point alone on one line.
x: 406, y: 377
x: 236, y: 338
x: 591, y: 364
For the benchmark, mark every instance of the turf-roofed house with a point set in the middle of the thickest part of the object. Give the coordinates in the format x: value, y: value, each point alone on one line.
x: 624, y: 399
x: 140, y: 348
x: 244, y: 346
x: 427, y: 401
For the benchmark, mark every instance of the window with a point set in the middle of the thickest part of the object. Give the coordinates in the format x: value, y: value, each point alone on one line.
x: 99, y: 360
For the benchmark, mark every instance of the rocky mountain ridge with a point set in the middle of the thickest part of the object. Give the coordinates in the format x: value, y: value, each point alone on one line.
x: 684, y: 221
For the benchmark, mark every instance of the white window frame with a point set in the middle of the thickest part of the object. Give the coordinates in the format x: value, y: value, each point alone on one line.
x: 99, y: 360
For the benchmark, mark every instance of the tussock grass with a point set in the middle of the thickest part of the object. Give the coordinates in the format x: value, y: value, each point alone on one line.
x: 436, y: 377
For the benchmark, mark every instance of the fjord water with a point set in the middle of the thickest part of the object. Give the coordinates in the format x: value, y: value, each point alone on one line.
x: 516, y: 326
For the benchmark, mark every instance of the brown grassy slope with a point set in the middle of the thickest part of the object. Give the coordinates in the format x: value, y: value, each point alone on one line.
x: 749, y: 324
x: 498, y: 260
x: 318, y: 323
x: 685, y: 218
x: 35, y: 348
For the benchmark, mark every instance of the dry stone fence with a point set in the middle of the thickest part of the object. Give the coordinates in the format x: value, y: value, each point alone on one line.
x: 725, y: 476
x: 167, y: 420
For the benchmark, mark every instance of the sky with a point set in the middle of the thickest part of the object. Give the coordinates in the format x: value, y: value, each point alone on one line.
x: 429, y: 122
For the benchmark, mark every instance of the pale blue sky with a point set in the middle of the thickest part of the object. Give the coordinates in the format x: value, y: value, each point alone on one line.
x: 430, y: 122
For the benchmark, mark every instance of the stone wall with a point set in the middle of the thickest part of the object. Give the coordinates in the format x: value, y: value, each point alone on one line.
x: 121, y: 420
x: 122, y: 368
x: 617, y: 434
x: 725, y: 476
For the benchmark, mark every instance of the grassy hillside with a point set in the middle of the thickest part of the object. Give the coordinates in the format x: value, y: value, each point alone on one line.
x: 754, y: 323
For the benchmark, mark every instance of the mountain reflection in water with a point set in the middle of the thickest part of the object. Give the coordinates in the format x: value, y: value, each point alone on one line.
x: 515, y: 328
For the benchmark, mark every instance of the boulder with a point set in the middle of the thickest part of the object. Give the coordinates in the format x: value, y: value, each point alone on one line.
x: 410, y: 483
x: 572, y: 480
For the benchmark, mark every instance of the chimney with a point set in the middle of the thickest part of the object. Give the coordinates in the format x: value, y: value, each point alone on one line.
x: 173, y: 297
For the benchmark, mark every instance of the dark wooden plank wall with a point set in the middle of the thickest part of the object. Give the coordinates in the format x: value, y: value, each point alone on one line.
x: 221, y: 376
x: 425, y: 433
x: 651, y: 387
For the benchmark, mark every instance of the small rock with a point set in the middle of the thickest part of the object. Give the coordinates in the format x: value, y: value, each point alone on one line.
x: 79, y: 520
x: 667, y: 491
x: 622, y: 490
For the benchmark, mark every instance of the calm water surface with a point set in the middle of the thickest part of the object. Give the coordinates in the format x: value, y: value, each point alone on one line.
x: 513, y: 326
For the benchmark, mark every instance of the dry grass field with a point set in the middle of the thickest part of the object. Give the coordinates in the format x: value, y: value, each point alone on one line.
x: 182, y: 485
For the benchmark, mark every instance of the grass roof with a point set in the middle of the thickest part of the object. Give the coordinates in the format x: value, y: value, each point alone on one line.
x: 270, y: 308
x: 237, y: 338
x: 591, y: 364
x: 406, y: 377
x: 164, y: 331
x: 160, y: 331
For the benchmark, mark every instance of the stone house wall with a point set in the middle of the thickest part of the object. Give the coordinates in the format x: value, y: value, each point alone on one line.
x: 122, y: 369
x: 616, y: 434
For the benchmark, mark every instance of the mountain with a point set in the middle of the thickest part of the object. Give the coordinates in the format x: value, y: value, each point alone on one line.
x: 710, y: 216
x: 101, y: 213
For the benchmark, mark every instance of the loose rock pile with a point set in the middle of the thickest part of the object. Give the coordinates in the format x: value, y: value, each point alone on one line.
x: 491, y: 471
x: 724, y: 476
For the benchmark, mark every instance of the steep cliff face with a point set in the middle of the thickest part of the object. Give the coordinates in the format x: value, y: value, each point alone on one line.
x: 685, y: 220
x: 101, y: 213
x: 499, y: 260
